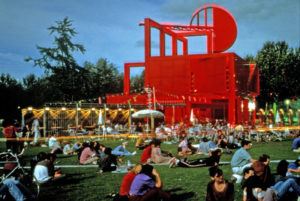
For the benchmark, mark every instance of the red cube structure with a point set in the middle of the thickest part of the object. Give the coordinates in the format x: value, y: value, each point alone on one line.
x: 214, y: 85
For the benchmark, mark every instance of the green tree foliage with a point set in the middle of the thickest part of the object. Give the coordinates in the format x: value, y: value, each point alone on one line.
x: 59, y: 62
x: 12, y: 96
x: 59, y: 56
x: 103, y: 77
x: 279, y: 71
x: 137, y: 82
x: 250, y: 58
x: 36, y: 90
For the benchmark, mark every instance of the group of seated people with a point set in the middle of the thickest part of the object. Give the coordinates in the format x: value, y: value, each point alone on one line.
x: 16, y: 183
x: 143, y: 183
x: 257, y: 181
x: 259, y: 184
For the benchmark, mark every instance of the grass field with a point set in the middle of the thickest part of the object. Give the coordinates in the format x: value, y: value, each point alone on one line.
x: 190, y: 184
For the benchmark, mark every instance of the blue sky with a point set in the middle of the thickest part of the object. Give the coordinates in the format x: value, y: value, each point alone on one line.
x: 109, y: 28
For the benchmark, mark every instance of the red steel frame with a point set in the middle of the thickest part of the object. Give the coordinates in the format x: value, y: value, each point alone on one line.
x: 216, y: 85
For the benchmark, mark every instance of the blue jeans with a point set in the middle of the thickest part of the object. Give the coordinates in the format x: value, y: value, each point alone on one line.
x: 13, y: 189
x: 121, y: 153
x: 282, y: 187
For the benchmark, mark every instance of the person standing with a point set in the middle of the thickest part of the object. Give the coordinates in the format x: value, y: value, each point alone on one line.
x: 9, y: 132
x: 36, y: 131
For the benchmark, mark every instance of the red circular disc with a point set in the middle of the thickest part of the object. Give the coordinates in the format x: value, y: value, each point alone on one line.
x: 220, y: 21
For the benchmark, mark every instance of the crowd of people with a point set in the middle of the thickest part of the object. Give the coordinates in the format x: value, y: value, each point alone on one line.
x: 142, y: 182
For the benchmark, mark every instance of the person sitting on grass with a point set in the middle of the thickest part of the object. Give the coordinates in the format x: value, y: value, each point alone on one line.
x: 54, y: 145
x: 219, y: 189
x: 233, y: 142
x: 122, y: 151
x: 222, y: 142
x: 146, y: 154
x: 205, y: 146
x: 185, y: 148
x: 127, y: 181
x: 158, y: 157
x: 240, y: 160
x: 45, y: 171
x: 293, y: 168
x: 252, y: 186
x: 140, y: 142
x: 281, y: 175
x: 263, y: 171
x: 296, y: 144
x: 76, y: 147
x: 147, y: 186
x: 109, y: 162
x: 67, y: 150
x: 88, y: 155
x: 16, y: 188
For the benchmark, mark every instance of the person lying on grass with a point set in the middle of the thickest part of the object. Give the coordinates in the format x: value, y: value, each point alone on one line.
x: 122, y: 151
x: 212, y: 160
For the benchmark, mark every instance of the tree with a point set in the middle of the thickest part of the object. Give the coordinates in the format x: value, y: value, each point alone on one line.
x: 35, y: 90
x: 12, y: 95
x: 103, y: 78
x: 279, y: 71
x: 250, y: 58
x: 59, y: 62
x: 137, y: 82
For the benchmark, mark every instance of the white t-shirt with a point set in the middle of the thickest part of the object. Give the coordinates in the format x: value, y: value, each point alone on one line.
x: 67, y: 149
x: 52, y: 142
x: 41, y: 173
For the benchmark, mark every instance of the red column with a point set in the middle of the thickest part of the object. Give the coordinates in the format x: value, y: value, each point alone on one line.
x: 232, y: 94
x: 126, y: 79
x: 147, y: 32
x: 174, y: 46
x: 162, y: 43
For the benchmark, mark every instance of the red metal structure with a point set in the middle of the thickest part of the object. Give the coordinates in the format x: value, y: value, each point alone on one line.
x: 215, y: 84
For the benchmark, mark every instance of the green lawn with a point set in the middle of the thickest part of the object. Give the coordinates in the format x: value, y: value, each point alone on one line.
x: 85, y: 184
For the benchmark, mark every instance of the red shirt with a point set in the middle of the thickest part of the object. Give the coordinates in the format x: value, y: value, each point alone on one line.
x: 126, y: 183
x: 146, y: 154
x: 9, y: 132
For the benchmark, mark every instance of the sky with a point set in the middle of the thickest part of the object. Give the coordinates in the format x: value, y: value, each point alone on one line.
x: 110, y: 28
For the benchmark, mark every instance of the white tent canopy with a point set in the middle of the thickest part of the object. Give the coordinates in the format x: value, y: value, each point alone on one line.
x: 148, y: 113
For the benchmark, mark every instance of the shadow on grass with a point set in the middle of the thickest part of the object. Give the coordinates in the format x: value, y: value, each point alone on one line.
x: 182, y: 196
x: 173, y: 190
x: 70, y: 179
x: 65, y: 156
